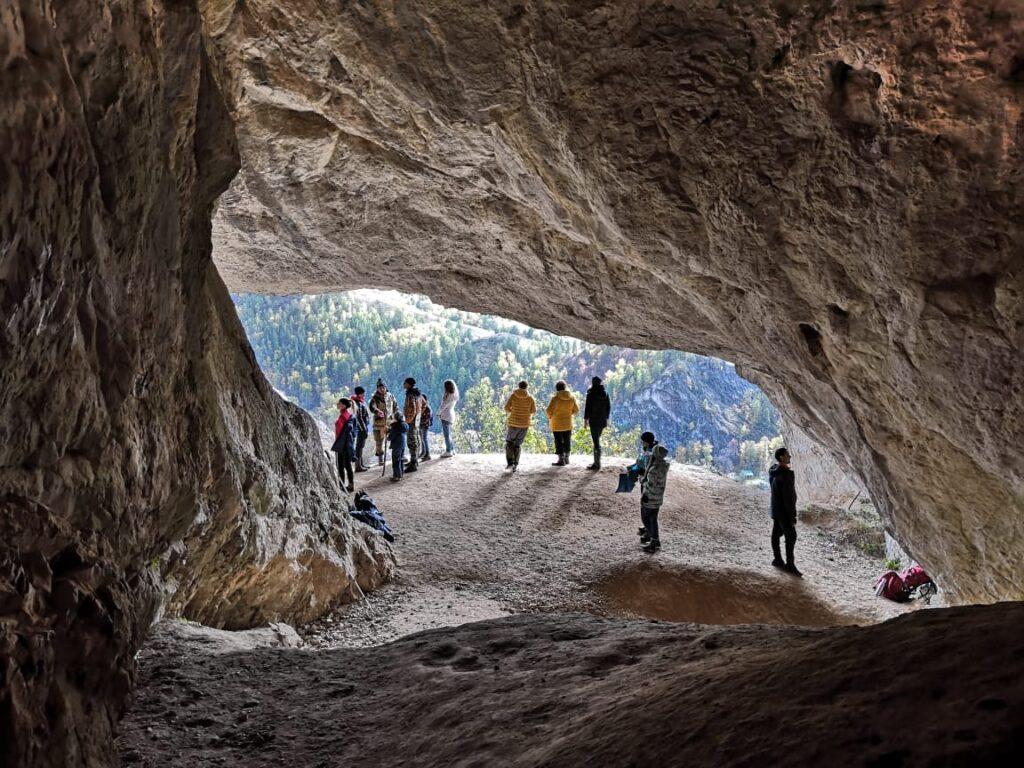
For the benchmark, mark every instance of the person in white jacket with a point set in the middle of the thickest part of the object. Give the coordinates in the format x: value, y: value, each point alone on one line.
x: 446, y: 413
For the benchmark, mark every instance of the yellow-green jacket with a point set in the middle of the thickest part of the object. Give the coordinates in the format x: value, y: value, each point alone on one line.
x: 520, y: 408
x: 561, y: 409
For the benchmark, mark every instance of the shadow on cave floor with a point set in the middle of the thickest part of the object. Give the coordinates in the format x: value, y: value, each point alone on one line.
x: 475, y: 543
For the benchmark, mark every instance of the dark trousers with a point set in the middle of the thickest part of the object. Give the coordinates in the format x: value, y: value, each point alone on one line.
x: 595, y: 435
x: 563, y: 441
x: 345, y: 468
x: 649, y: 517
x: 398, y: 461
x: 360, y: 446
x: 785, y: 528
x: 426, y: 443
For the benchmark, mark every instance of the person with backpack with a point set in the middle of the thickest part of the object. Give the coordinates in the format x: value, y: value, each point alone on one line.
x: 412, y: 411
x: 560, y: 412
x: 446, y: 413
x: 345, y: 443
x: 363, y: 423
x: 396, y: 439
x: 596, y: 411
x: 520, y: 408
x: 783, y: 509
x: 652, y: 496
x: 383, y: 406
x: 426, y: 422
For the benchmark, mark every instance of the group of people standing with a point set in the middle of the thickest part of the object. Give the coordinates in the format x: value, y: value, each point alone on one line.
x: 408, y: 428
x: 561, y: 413
x: 394, y: 429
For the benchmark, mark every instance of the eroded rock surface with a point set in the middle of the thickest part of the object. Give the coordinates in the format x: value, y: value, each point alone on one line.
x: 572, y: 690
x: 826, y: 193
x: 141, y: 449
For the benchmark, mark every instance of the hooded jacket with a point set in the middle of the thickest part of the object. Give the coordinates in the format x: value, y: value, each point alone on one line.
x: 520, y: 408
x: 652, y: 484
x: 783, y: 483
x: 598, y: 406
x: 561, y: 409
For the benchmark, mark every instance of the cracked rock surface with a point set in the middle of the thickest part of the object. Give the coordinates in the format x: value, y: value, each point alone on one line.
x: 828, y: 194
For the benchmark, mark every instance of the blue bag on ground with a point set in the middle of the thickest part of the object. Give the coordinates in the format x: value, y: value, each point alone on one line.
x: 366, y: 512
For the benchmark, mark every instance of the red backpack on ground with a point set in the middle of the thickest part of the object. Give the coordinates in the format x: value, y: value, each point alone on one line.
x: 900, y: 586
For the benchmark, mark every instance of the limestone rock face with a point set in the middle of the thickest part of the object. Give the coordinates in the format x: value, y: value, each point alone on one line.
x: 820, y: 479
x: 141, y: 449
x: 827, y: 194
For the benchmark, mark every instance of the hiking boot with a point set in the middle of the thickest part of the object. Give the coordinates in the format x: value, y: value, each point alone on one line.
x: 645, y: 539
x: 792, y: 570
x: 652, y: 546
x: 777, y: 563
x: 447, y: 455
x: 642, y: 532
x: 560, y: 462
x: 595, y: 465
x: 351, y: 488
x: 411, y: 468
x: 566, y: 457
x: 514, y: 468
x: 395, y: 479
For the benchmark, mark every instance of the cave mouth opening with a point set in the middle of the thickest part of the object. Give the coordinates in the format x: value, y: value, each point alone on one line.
x: 721, y: 432
x: 314, y: 349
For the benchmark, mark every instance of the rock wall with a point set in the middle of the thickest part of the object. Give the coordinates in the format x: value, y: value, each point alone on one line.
x: 826, y: 193
x: 141, y: 450
x: 820, y: 480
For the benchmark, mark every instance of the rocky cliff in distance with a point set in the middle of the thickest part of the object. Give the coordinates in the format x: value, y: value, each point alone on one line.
x: 827, y: 194
x: 139, y: 441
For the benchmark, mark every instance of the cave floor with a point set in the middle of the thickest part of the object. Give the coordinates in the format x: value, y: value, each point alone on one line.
x: 577, y: 676
x: 475, y: 543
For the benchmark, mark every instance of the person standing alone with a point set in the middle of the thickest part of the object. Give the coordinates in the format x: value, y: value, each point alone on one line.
x: 783, y: 484
x: 520, y: 408
x: 446, y: 413
x: 596, y: 411
x: 383, y: 406
x: 561, y: 410
x: 412, y: 411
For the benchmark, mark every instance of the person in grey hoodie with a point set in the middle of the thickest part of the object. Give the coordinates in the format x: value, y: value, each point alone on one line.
x: 652, y: 496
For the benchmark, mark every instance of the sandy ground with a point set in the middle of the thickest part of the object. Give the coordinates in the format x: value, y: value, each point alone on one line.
x: 596, y: 687
x: 477, y: 543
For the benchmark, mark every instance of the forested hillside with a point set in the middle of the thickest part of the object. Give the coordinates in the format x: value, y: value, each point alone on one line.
x: 316, y: 348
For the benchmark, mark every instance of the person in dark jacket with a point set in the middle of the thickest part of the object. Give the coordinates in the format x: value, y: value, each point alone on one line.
x: 783, y: 484
x: 363, y: 423
x: 396, y: 439
x: 596, y: 411
x: 345, y: 442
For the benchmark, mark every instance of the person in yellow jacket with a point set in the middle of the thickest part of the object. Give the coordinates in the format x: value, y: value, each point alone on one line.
x: 520, y: 408
x: 561, y: 409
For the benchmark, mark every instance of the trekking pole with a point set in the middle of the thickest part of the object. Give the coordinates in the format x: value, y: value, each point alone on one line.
x: 384, y: 463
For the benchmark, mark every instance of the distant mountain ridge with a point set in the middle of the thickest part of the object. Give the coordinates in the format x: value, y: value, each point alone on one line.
x: 316, y: 348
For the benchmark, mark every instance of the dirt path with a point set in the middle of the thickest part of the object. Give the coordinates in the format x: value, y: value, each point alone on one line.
x: 476, y: 543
